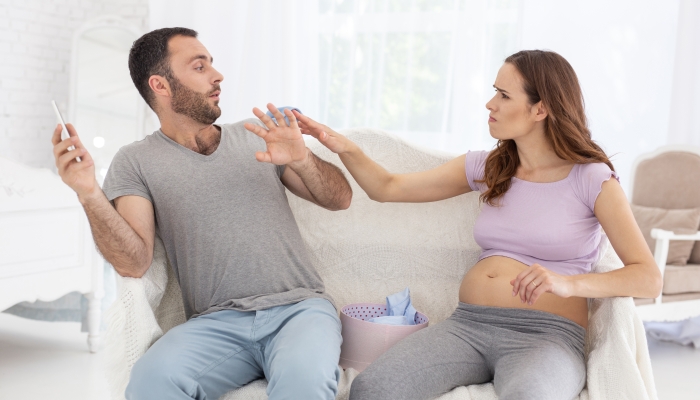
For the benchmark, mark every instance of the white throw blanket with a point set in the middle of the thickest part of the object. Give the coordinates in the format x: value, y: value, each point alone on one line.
x: 373, y: 249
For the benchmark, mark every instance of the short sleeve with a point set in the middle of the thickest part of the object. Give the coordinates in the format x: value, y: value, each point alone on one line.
x: 280, y: 170
x: 474, y: 166
x: 124, y: 179
x: 589, y: 182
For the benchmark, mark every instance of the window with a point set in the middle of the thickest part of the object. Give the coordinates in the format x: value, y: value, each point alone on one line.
x: 422, y: 69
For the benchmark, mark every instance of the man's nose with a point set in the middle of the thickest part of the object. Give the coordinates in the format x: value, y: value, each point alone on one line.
x: 218, y: 77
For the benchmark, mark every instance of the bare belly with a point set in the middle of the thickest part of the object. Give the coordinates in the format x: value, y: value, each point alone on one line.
x: 488, y: 284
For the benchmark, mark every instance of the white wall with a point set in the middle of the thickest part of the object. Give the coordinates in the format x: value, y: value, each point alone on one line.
x: 35, y: 43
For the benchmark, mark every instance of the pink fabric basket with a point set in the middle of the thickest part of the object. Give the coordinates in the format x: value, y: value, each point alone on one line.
x: 364, y: 341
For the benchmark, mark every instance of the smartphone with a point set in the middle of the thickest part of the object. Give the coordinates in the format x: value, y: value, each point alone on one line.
x: 64, y: 132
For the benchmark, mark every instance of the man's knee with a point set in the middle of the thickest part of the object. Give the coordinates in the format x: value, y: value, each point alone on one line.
x: 306, y: 382
x: 151, y: 379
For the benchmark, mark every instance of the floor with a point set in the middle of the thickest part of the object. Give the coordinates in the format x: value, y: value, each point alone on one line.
x: 42, y: 360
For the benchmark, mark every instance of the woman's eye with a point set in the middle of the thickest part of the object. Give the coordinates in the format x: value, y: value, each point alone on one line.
x: 504, y: 96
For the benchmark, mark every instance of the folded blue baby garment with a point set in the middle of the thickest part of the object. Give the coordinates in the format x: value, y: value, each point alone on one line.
x: 399, y: 309
x: 281, y: 109
x: 686, y: 332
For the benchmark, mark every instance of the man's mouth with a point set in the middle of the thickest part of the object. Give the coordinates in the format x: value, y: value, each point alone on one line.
x: 215, y: 95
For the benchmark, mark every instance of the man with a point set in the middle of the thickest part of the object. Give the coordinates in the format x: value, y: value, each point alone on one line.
x: 255, y: 305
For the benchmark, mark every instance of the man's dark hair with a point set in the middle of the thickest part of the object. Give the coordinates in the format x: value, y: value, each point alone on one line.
x: 149, y: 56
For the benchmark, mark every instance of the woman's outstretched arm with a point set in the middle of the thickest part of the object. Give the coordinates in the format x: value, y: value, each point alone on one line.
x: 445, y: 181
x: 640, y: 277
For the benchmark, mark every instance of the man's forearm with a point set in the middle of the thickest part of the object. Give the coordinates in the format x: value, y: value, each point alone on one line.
x: 118, y: 243
x: 325, y: 181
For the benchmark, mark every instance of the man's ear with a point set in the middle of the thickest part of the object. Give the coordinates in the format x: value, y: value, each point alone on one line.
x: 540, y: 111
x: 159, y: 85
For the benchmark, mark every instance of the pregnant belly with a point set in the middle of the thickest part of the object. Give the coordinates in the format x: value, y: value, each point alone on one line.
x: 488, y: 284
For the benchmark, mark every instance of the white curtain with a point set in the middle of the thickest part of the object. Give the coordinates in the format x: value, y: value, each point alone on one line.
x: 424, y: 68
x: 421, y: 69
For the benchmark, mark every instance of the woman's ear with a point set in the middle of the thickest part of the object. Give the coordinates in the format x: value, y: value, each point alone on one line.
x: 540, y: 111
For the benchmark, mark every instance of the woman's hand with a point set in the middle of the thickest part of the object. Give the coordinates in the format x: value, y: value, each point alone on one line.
x: 534, y: 281
x: 335, y: 142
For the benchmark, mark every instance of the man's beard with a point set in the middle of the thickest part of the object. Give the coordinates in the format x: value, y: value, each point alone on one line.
x: 193, y: 104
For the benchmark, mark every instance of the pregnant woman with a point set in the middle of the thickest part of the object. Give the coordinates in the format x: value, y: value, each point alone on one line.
x: 546, y: 190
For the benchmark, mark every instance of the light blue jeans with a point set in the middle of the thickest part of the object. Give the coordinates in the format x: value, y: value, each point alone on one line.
x: 296, y: 347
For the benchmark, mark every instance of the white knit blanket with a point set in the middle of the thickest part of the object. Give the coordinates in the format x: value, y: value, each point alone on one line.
x: 373, y: 249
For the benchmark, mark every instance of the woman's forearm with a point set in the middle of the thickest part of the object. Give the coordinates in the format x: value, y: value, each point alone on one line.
x: 372, y: 177
x: 634, y: 280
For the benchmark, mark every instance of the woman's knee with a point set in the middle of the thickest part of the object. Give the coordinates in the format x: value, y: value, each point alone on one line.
x: 544, y: 381
x: 367, y: 387
x: 540, y: 389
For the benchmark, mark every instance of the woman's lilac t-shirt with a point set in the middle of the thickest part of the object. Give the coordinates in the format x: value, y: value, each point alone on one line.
x: 551, y: 224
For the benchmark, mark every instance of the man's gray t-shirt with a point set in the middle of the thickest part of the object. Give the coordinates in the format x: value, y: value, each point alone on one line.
x: 224, y: 219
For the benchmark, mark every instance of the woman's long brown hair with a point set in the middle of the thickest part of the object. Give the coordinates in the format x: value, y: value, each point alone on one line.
x: 549, y: 78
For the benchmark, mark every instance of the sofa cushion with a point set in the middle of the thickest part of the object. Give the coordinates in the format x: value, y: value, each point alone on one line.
x: 682, y: 279
x: 683, y: 221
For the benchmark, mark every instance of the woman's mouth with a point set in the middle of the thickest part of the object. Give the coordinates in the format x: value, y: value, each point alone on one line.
x: 492, y: 119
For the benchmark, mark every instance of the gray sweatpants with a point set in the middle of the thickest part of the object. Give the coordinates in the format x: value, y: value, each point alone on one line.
x: 528, y: 354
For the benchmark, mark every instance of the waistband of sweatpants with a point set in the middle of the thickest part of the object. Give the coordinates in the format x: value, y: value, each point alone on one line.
x: 522, y: 318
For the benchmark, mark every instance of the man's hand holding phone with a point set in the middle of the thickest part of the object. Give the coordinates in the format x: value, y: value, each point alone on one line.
x: 79, y: 176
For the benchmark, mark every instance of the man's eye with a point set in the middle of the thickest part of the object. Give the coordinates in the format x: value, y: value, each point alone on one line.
x: 199, y: 68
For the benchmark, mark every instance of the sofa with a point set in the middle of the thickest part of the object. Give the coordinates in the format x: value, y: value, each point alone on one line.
x: 375, y: 249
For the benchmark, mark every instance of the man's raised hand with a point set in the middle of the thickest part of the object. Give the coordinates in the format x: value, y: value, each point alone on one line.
x: 79, y: 176
x: 285, y: 144
x: 333, y: 140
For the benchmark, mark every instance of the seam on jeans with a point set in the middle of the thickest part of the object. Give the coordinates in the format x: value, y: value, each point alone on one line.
x: 333, y: 313
x: 194, y: 387
x: 218, y: 362
x: 270, y: 313
x: 252, y: 328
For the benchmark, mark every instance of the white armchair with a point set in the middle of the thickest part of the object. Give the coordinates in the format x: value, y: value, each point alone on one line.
x: 373, y: 249
x: 668, y: 178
